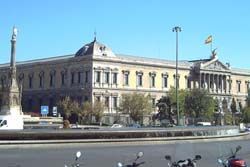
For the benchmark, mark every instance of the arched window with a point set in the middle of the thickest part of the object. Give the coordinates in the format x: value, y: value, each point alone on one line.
x: 63, y: 77
x: 20, y: 78
x: 41, y: 79
x: 31, y: 80
x: 52, y: 78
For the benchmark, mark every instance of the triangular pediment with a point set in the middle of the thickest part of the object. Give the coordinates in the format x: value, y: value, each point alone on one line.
x: 215, y: 65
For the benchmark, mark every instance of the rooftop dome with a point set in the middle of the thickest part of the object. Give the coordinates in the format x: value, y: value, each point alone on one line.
x: 96, y: 49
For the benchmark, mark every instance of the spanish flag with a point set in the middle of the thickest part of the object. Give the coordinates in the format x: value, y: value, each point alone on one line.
x: 208, y: 40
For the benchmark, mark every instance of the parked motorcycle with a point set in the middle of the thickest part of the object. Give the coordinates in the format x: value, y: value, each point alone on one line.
x: 75, y: 163
x: 134, y: 163
x: 232, y: 161
x: 183, y: 163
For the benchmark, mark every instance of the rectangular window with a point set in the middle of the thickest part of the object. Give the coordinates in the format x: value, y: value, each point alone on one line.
x: 106, y: 79
x: 79, y: 77
x: 165, y: 82
x: 98, y: 77
x: 238, y: 86
x: 72, y: 77
x: 63, y: 79
x: 98, y: 98
x: 152, y: 81
x: 139, y: 80
x: 126, y: 79
x: 51, y: 83
x: 106, y: 101
x: 40, y: 81
x: 86, y: 76
x: 114, y: 102
x: 30, y: 82
x: 114, y: 78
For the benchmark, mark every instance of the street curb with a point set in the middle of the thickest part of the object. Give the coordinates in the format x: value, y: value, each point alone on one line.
x: 155, y: 139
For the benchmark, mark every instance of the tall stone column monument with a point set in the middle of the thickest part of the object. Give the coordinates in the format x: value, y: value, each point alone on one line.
x: 11, y: 110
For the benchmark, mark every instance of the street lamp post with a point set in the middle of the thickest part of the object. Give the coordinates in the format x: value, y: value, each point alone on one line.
x: 177, y: 29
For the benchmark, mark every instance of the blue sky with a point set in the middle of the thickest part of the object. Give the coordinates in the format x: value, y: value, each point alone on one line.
x: 49, y: 28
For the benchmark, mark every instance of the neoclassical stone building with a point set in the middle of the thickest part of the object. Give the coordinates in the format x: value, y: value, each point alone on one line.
x: 94, y: 72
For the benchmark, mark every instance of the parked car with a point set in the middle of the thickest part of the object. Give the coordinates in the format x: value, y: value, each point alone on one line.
x: 135, y: 126
x: 116, y: 126
x: 247, y: 129
x: 203, y: 124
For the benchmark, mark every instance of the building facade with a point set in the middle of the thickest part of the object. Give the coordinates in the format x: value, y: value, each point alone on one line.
x: 96, y: 73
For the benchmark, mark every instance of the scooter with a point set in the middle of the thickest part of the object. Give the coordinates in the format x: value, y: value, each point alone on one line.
x: 232, y: 161
x: 183, y: 163
x: 76, y: 163
x: 135, y: 163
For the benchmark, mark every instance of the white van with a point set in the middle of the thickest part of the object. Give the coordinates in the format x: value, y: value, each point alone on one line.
x: 10, y: 122
x: 203, y: 124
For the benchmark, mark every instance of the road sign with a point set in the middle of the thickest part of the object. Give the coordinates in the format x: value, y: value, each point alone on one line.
x: 54, y: 111
x: 44, y: 110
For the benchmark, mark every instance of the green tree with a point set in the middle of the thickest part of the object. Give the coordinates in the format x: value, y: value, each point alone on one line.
x: 136, y: 105
x: 248, y: 98
x: 199, y: 104
x: 182, y: 93
x: 67, y: 107
x: 246, y: 110
x: 246, y: 115
x: 98, y: 110
x: 228, y: 119
x: 233, y: 110
x: 85, y: 112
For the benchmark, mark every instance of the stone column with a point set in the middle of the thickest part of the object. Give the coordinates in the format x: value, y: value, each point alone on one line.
x: 101, y: 77
x: 230, y: 84
x: 222, y: 83
x: 208, y: 85
x: 204, y: 81
x: 200, y: 80
x: 212, y: 83
x: 227, y: 83
x: 110, y: 78
x: 217, y: 83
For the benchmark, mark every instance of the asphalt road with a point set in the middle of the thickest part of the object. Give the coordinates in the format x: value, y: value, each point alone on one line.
x: 108, y: 154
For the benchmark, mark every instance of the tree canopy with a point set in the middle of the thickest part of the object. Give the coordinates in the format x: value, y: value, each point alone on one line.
x: 246, y: 110
x: 84, y: 112
x: 199, y: 104
x: 67, y: 107
x: 182, y: 93
x: 136, y: 105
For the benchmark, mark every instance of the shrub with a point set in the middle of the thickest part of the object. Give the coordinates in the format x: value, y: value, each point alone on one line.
x: 66, y: 124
